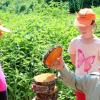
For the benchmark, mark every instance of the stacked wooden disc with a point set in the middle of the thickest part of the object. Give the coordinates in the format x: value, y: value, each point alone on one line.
x: 44, y: 86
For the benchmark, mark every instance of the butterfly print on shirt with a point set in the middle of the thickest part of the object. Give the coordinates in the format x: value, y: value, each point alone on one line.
x: 86, y: 62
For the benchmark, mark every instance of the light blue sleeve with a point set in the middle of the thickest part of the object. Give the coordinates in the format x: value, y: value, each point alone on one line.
x: 85, y: 84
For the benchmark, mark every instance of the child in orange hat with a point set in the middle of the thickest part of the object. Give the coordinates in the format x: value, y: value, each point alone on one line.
x: 85, y: 49
x: 3, y: 85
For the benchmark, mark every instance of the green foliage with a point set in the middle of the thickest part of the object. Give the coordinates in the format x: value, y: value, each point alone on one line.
x: 27, y: 6
x: 32, y: 35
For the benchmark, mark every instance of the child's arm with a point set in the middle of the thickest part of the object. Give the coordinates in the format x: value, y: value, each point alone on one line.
x: 85, y: 84
x: 73, y: 58
x: 72, y: 51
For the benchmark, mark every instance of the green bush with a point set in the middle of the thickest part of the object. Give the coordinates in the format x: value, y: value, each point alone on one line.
x: 22, y: 51
x: 25, y: 6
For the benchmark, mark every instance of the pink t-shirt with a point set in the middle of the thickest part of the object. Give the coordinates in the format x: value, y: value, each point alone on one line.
x: 87, y: 55
x: 2, y: 80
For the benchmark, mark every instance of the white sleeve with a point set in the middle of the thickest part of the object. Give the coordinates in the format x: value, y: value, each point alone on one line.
x: 84, y: 84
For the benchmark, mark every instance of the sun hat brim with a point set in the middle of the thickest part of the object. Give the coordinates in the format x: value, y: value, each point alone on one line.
x: 4, y: 29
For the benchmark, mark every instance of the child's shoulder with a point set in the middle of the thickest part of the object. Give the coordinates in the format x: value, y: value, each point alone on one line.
x: 97, y: 39
x: 76, y: 39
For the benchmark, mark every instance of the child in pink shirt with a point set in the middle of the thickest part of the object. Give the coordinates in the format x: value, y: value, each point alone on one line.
x: 85, y: 49
x: 3, y: 85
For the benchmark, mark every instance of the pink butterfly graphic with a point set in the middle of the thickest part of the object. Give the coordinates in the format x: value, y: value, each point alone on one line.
x: 85, y: 61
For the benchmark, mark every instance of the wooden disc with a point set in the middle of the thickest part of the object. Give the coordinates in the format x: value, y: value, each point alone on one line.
x: 45, y: 78
x: 52, y: 55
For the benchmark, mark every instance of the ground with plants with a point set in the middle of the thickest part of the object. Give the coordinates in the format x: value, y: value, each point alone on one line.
x: 32, y: 35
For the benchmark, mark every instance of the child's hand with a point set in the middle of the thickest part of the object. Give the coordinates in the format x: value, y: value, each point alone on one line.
x: 58, y: 64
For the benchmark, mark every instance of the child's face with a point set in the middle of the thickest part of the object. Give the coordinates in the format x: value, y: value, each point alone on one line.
x: 86, y: 30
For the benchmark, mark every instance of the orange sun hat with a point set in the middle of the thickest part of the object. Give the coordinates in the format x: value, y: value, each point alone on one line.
x: 85, y: 17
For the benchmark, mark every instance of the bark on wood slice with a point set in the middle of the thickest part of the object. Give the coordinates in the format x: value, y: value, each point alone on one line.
x: 52, y: 92
x: 43, y: 89
x: 47, y: 98
x: 51, y: 96
x: 39, y: 89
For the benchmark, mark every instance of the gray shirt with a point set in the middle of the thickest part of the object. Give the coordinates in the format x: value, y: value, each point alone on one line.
x: 89, y: 84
